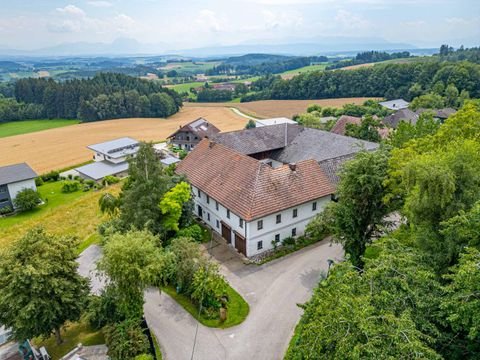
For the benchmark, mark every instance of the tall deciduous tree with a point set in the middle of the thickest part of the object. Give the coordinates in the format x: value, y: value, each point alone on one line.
x: 143, y: 191
x: 40, y: 288
x: 131, y: 261
x: 172, y: 205
x: 360, y: 210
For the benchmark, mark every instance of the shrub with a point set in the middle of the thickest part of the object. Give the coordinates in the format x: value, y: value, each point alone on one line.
x: 70, y: 176
x: 86, y: 188
x: 109, y: 180
x: 51, y: 176
x: 27, y: 199
x: 90, y: 183
x: 39, y: 181
x: 209, y: 287
x: 6, y: 210
x: 70, y: 186
x: 182, y: 154
x: 144, y: 357
x: 193, y: 231
x: 102, y: 310
x: 125, y: 340
x: 288, y: 241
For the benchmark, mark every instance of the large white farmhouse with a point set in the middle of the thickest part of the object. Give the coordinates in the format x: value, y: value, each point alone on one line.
x: 262, y: 185
x: 13, y: 179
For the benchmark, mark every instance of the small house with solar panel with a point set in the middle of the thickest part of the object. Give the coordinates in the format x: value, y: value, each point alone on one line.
x: 189, y: 135
x: 110, y: 158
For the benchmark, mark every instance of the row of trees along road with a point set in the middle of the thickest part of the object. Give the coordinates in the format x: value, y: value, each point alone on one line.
x: 105, y: 96
x: 410, y: 292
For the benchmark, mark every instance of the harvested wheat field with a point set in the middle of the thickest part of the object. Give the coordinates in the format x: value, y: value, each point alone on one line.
x: 62, y: 147
x: 358, y: 66
x: 279, y: 108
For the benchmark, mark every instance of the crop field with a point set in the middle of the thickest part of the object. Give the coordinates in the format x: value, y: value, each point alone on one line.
x: 291, y: 73
x: 190, y: 67
x: 29, y: 126
x: 280, y: 108
x: 66, y: 146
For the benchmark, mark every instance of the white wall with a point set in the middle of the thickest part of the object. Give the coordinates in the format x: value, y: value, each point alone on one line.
x: 249, y: 230
x: 284, y: 228
x: 15, y: 188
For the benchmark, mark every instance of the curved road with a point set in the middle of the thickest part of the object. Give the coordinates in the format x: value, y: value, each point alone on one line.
x: 272, y: 291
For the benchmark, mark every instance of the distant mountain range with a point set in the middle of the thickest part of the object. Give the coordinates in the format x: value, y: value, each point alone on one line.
x: 125, y: 46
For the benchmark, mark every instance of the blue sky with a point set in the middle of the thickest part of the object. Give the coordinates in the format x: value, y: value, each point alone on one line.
x: 196, y: 23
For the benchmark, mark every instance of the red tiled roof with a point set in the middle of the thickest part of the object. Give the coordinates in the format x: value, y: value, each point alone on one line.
x: 248, y: 187
x: 341, y: 125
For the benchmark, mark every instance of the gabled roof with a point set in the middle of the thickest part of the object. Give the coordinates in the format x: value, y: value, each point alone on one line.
x: 321, y: 145
x: 439, y: 113
x: 396, y: 104
x: 248, y: 187
x: 201, y: 127
x: 259, y: 139
x: 406, y: 115
x: 341, y: 125
x: 98, y: 170
x: 116, y: 148
x: 15, y: 173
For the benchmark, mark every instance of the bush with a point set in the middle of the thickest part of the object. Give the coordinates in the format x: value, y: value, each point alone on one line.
x: 70, y: 176
x: 39, y: 181
x: 194, y: 232
x: 6, y: 210
x: 51, y: 176
x: 109, y: 180
x: 27, y: 199
x: 90, y: 183
x: 125, y: 340
x: 102, y: 310
x: 288, y: 241
x: 182, y: 154
x: 70, y: 186
x: 86, y: 188
x: 144, y: 357
x: 209, y: 287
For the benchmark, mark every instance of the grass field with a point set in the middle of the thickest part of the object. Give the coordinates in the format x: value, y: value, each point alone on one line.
x: 29, y: 126
x: 291, y: 73
x: 66, y: 146
x: 75, y: 214
x: 189, y: 67
x: 279, y: 108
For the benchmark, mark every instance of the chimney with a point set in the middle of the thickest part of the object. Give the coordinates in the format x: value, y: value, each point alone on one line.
x: 293, y: 166
x: 211, y: 144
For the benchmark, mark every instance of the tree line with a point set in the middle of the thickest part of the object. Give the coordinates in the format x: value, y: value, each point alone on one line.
x: 384, y: 80
x: 368, y: 57
x: 105, y: 96
x: 268, y: 67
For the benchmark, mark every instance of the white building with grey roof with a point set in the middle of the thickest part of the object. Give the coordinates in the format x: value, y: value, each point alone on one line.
x: 13, y: 179
x: 110, y: 159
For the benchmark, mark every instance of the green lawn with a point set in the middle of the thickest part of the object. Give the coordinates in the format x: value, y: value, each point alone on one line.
x: 237, y: 312
x: 72, y: 334
x: 29, y: 126
x: 52, y: 196
x: 309, y: 68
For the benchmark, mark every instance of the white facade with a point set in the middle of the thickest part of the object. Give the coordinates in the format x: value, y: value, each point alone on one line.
x: 16, y: 187
x: 258, y: 240
x: 101, y: 157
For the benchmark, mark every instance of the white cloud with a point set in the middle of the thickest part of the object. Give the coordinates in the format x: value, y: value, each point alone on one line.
x: 71, y: 10
x: 100, y: 3
x: 208, y: 19
x: 282, y: 19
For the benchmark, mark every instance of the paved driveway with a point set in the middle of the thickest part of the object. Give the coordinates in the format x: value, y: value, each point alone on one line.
x: 272, y: 291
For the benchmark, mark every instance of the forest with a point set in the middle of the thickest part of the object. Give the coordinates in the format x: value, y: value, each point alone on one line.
x: 368, y: 57
x: 390, y: 81
x: 262, y: 64
x: 105, y: 96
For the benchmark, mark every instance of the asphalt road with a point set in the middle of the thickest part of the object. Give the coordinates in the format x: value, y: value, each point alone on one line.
x: 272, y: 290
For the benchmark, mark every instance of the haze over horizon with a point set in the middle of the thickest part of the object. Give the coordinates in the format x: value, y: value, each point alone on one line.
x: 215, y: 23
